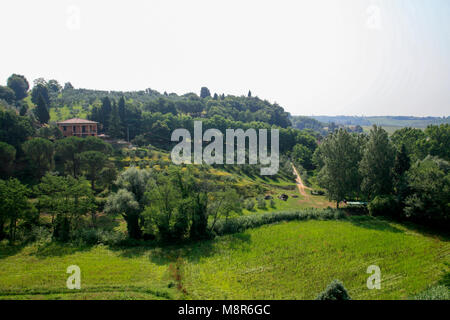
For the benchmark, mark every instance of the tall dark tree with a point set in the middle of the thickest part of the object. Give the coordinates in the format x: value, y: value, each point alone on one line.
x: 105, y: 112
x: 41, y: 110
x: 40, y: 89
x: 249, y: 94
x: 204, y: 92
x: 19, y: 85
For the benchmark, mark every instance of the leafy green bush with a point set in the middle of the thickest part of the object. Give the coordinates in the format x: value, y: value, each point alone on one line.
x: 384, y: 206
x: 98, y: 236
x: 261, y: 203
x: 434, y: 293
x: 250, y: 204
x: 334, y: 291
x: 242, y: 223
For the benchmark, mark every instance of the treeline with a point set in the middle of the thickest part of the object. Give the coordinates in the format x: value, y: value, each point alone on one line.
x: 406, y: 176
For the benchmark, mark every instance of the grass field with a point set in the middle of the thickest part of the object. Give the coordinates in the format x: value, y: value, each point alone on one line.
x: 294, y: 260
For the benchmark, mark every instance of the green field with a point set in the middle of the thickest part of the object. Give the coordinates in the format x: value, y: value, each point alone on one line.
x: 294, y: 260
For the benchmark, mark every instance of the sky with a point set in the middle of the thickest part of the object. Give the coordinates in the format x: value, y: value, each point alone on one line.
x: 313, y: 57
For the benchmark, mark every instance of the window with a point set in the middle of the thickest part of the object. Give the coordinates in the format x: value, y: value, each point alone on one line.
x: 74, y: 129
x: 64, y: 128
x: 83, y: 128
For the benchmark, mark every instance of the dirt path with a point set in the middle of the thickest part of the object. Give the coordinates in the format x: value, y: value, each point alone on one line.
x: 301, y: 187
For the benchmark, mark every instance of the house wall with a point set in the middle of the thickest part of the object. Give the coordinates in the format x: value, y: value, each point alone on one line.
x: 69, y: 130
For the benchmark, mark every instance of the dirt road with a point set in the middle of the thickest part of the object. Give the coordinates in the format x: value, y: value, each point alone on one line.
x: 301, y: 187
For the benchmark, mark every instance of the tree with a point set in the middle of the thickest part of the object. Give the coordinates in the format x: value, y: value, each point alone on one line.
x: 339, y: 155
x: 7, y: 157
x: 14, y: 129
x: 204, y: 92
x: 41, y: 110
x: 13, y: 204
x: 40, y: 89
x: 437, y: 142
x: 129, y: 199
x: 7, y: 94
x: 19, y: 85
x: 114, y: 124
x: 40, y: 151
x: 249, y: 95
x: 376, y: 164
x: 68, y: 150
x: 429, y: 181
x: 68, y: 86
x: 67, y: 200
x: 402, y: 164
x: 54, y: 86
x: 334, y: 291
x: 302, y: 155
x: 92, y: 162
x: 409, y: 137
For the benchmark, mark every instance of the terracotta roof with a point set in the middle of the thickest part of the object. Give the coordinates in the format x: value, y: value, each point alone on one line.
x: 76, y: 121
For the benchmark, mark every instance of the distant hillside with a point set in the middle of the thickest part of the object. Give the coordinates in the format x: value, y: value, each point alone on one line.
x: 388, y: 121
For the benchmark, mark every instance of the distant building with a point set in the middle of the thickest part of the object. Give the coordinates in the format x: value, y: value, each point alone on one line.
x: 78, y: 127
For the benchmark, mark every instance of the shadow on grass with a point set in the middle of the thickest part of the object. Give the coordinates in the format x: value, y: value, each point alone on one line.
x: 56, y: 249
x: 193, y: 252
x: 7, y: 250
x: 372, y: 223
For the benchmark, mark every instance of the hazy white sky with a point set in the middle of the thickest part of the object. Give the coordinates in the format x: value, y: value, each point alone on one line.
x: 352, y: 57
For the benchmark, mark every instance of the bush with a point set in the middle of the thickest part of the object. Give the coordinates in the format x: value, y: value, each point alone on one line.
x: 261, y: 203
x: 242, y: 223
x: 272, y: 203
x: 98, y: 236
x: 434, y: 293
x: 334, y: 291
x: 384, y: 206
x: 250, y: 204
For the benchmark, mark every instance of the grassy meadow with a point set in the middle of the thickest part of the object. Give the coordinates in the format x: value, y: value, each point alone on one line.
x: 294, y: 260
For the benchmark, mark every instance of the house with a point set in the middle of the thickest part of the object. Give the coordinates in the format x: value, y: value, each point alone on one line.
x: 78, y: 127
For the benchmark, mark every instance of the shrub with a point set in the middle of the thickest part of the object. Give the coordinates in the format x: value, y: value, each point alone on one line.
x: 261, y: 203
x: 384, y: 206
x: 334, y: 291
x: 242, y: 223
x: 272, y: 203
x: 434, y: 293
x: 98, y: 236
x: 250, y: 204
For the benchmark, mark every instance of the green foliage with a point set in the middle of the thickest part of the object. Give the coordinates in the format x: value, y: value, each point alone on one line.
x: 67, y: 200
x: 249, y: 204
x: 204, y: 93
x: 384, y: 206
x: 338, y: 156
x: 437, y: 142
x: 429, y: 181
x: 19, y: 85
x: 376, y: 164
x: 239, y: 224
x: 409, y: 138
x: 41, y: 111
x: 40, y: 153
x: 14, y: 129
x: 7, y: 157
x: 7, y: 94
x: 261, y: 203
x: 439, y: 292
x: 128, y: 201
x: 92, y: 162
x: 14, y: 205
x: 334, y: 291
